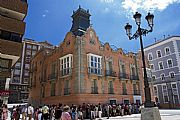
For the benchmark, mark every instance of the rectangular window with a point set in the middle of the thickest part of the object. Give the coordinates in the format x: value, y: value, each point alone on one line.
x: 158, y: 53
x: 94, y: 64
x: 172, y: 74
x: 162, y: 76
x: 66, y: 88
x: 150, y: 56
x: 124, y: 90
x: 167, y: 50
x: 94, y: 88
x: 169, y: 63
x: 176, y: 99
x: 35, y: 47
x: 33, y: 53
x: 53, y: 89
x: 165, y: 93
x: 161, y: 65
x: 27, y: 66
x: 26, y: 73
x: 66, y: 64
x: 152, y: 66
x: 28, y: 52
x: 110, y: 87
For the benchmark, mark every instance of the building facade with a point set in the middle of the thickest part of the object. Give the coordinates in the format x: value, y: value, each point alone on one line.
x: 12, y: 27
x: 20, y: 76
x: 164, y: 61
x: 82, y: 70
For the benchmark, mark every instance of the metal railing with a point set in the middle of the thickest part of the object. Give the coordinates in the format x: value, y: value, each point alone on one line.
x: 136, y: 92
x: 94, y: 90
x: 52, y: 76
x: 134, y: 77
x: 123, y: 76
x: 111, y: 73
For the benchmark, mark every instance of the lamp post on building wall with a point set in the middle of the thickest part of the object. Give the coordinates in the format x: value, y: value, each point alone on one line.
x: 139, y: 34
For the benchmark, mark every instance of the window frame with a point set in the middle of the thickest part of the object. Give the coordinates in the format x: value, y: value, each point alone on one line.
x: 166, y: 51
x: 160, y: 53
x: 168, y: 63
x: 162, y: 65
x: 150, y: 54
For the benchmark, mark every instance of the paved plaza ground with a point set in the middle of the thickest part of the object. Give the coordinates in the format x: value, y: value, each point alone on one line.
x: 165, y: 115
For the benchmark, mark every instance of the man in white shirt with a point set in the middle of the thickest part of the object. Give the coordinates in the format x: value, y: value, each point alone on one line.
x: 30, y: 112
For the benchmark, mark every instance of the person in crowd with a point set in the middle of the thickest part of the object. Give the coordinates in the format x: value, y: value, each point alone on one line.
x: 24, y: 112
x: 99, y: 111
x: 4, y: 113
x: 74, y: 113
x: 107, y: 110
x: 58, y: 112
x: 45, y: 112
x: 65, y: 114
x: 80, y: 113
x: 30, y: 112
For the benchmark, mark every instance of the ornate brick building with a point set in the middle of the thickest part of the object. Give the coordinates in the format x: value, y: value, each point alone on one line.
x: 82, y: 69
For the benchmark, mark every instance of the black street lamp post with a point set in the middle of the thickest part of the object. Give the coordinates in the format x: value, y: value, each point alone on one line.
x: 139, y: 33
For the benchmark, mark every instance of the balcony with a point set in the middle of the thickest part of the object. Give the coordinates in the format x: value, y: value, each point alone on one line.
x: 94, y: 90
x: 12, y: 25
x: 65, y: 72
x: 134, y: 77
x: 110, y: 91
x: 52, y: 77
x: 123, y: 76
x: 124, y: 91
x: 97, y: 71
x: 136, y: 92
x: 19, y: 6
x: 66, y: 91
x: 111, y: 73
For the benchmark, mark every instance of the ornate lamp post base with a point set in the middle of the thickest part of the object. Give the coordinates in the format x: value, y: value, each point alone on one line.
x: 150, y: 114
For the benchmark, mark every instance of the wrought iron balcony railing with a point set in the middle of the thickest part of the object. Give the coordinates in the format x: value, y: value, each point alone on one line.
x: 134, y: 77
x: 94, y: 90
x: 136, y: 92
x: 123, y: 76
x: 52, y: 77
x: 111, y: 73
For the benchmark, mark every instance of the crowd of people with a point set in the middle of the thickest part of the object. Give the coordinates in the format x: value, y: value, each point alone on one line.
x: 73, y: 112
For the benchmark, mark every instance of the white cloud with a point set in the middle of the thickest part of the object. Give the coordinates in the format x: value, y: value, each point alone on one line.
x: 43, y: 15
x: 107, y: 1
x: 45, y: 12
x: 147, y: 5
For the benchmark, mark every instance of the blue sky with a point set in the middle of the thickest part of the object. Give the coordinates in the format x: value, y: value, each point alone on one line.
x: 51, y: 19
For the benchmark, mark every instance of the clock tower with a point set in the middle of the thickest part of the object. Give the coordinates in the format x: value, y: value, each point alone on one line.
x: 80, y: 21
